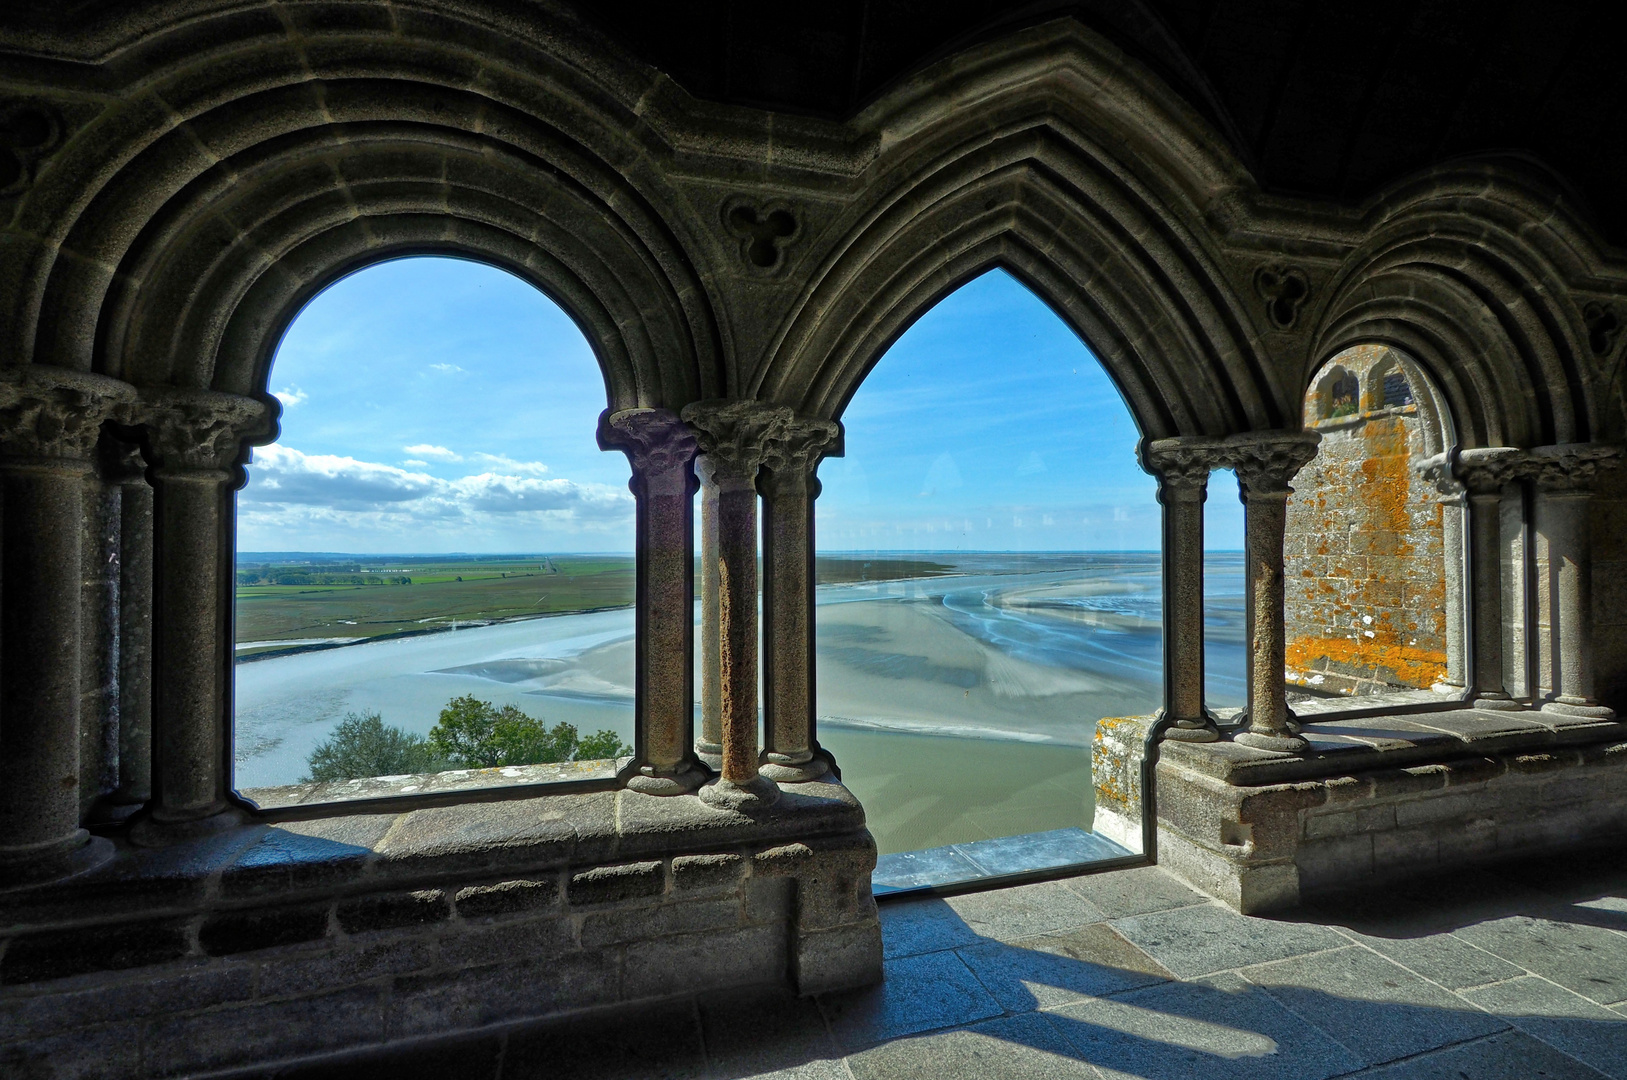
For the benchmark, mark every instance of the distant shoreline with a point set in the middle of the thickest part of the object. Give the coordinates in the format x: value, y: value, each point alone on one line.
x: 466, y: 624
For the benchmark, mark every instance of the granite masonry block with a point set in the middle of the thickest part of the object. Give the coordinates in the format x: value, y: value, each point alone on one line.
x: 507, y: 941
x: 392, y: 911
x: 59, y: 954
x: 529, y: 895
x: 333, y: 970
x: 471, y: 998
x: 616, y: 884
x: 707, y: 872
x: 767, y: 899
x: 96, y: 1054
x: 264, y: 1032
x: 610, y: 927
x: 1349, y: 822
x: 45, y: 1014
x: 727, y: 958
x: 262, y: 928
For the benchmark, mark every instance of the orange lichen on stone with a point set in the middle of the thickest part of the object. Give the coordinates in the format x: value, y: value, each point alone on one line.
x: 1405, y: 665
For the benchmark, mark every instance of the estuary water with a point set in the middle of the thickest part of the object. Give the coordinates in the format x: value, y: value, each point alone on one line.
x: 961, y: 707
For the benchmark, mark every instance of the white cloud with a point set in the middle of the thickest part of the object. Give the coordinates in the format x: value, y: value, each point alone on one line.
x: 291, y: 396
x: 447, y: 368
x: 289, y: 489
x: 508, y: 464
x: 416, y: 463
x: 439, y: 453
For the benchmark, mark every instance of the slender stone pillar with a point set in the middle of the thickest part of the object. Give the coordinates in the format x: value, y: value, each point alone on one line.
x: 99, y: 639
x: 734, y: 439
x: 1437, y: 472
x: 709, y: 747
x: 1485, y: 472
x: 1182, y: 465
x: 1265, y: 462
x: 788, y: 489
x: 1564, y: 477
x: 50, y: 421
x: 195, y: 438
x: 135, y: 785
x: 661, y: 451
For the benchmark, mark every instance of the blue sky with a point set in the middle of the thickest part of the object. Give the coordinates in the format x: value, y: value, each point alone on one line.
x: 436, y: 405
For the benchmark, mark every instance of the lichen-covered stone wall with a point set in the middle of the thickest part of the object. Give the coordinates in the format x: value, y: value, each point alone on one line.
x: 1366, y: 587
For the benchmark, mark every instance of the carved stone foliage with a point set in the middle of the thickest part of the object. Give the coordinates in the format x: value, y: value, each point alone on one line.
x: 29, y: 130
x: 1183, y: 463
x: 737, y: 436
x: 1487, y: 470
x: 1265, y: 461
x: 1568, y: 466
x: 654, y: 440
x: 58, y: 414
x: 763, y: 231
x: 1284, y: 289
x: 1603, y: 327
x: 201, y: 429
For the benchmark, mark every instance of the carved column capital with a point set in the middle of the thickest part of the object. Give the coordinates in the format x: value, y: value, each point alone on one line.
x: 1183, y: 463
x: 1487, y: 470
x: 1568, y: 467
x: 55, y: 413
x: 656, y: 442
x: 1436, y: 471
x: 1265, y: 461
x: 796, y: 451
x: 202, y: 430
x: 735, y: 437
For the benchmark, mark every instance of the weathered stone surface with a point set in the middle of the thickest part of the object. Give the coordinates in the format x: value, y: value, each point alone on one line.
x: 393, y: 911
x: 707, y: 872
x: 40, y: 957
x: 508, y: 897
x: 613, y: 884
x: 242, y: 931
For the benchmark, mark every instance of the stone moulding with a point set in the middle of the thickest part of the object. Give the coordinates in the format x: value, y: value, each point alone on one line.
x: 432, y: 921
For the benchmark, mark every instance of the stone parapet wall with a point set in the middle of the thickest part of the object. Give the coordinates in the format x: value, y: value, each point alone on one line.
x: 268, y: 944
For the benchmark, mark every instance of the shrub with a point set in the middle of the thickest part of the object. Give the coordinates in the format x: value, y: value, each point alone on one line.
x: 480, y: 735
x: 364, y: 745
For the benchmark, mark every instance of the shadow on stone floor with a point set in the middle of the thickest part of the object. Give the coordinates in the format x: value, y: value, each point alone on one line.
x: 1480, y: 975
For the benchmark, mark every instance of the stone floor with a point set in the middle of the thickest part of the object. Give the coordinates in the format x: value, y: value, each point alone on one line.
x: 1514, y: 973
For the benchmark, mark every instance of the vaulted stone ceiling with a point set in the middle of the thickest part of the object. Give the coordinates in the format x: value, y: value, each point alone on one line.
x: 1329, y: 99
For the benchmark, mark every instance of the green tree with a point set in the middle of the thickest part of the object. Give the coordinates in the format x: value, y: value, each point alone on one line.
x: 364, y: 745
x: 477, y: 734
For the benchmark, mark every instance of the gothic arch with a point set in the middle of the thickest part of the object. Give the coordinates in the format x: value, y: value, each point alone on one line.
x: 254, y: 177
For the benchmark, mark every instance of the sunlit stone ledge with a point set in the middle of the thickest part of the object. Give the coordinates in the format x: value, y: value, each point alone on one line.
x: 453, y: 780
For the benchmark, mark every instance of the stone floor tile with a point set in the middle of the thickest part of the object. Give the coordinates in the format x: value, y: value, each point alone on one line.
x: 1378, y: 1011
x: 1442, y: 958
x: 1200, y: 940
x: 1010, y: 1048
x: 649, y: 1042
x: 1054, y: 969
x: 1590, y: 960
x: 1511, y: 1055
x: 921, y: 925
x: 1025, y: 910
x: 762, y: 1031
x: 1138, y: 891
x: 1581, y: 1028
x: 1041, y: 851
x: 919, y: 993
x: 1211, y: 1029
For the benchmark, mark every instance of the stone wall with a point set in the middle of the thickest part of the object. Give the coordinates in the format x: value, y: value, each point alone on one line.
x: 1366, y: 606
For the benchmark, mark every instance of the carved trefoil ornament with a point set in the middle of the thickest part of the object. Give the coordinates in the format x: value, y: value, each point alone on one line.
x: 1603, y: 327
x: 29, y: 130
x: 1284, y: 290
x: 763, y: 230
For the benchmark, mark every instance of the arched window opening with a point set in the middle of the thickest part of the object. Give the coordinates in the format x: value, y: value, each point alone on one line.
x: 1374, y: 548
x: 434, y: 561
x: 1225, y: 614
x: 990, y: 588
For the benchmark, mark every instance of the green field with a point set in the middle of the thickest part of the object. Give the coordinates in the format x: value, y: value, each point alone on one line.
x: 295, y: 603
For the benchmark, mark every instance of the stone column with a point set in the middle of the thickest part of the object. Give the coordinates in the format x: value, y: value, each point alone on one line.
x: 1182, y: 465
x: 734, y: 439
x: 1485, y: 472
x: 661, y: 451
x: 709, y: 746
x: 50, y: 421
x: 195, y: 439
x: 1437, y: 472
x: 788, y: 488
x: 1265, y: 462
x: 99, y: 638
x: 1563, y: 478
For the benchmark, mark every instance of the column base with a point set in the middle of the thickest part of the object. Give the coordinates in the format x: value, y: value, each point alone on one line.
x: 1578, y: 707
x: 685, y: 780
x: 1194, y: 731
x: 755, y: 794
x: 1498, y: 704
x: 21, y: 869
x: 1282, y: 744
x: 156, y: 831
x: 711, y: 755
x: 788, y: 769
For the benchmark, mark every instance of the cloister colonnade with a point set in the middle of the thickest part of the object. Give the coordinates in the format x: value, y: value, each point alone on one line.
x: 184, y: 185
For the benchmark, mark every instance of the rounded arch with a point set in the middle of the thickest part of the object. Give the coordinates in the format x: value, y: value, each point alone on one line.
x: 182, y: 265
x: 1120, y: 269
